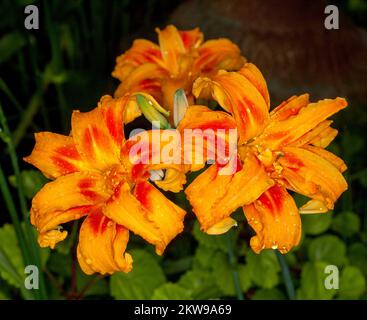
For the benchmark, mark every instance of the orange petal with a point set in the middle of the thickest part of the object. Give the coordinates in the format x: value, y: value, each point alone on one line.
x: 143, y: 78
x: 327, y: 155
x: 282, y: 133
x: 172, y: 47
x: 102, y: 244
x: 55, y: 155
x: 275, y: 219
x: 147, y: 213
x: 214, y: 196
x: 209, y: 131
x: 201, y: 117
x: 289, y: 108
x: 322, y: 135
x: 67, y: 198
x: 98, y: 134
x: 312, y: 175
x: 254, y: 75
x: 154, y: 150
x: 236, y: 94
x: 173, y: 181
x: 191, y: 39
x: 218, y: 54
x: 142, y: 51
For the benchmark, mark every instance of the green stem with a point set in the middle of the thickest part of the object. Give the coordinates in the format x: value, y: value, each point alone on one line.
x: 286, y: 276
x: 232, y: 262
x: 14, y: 216
x: 29, y: 232
x: 27, y: 117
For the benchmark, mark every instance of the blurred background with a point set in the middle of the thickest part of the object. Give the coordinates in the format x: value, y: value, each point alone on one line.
x: 66, y: 64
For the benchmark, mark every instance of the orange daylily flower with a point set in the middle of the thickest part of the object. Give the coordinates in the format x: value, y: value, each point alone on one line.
x: 94, y: 177
x: 178, y: 60
x: 278, y: 150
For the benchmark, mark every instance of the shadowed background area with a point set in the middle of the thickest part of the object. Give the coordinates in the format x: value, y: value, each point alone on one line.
x: 289, y: 42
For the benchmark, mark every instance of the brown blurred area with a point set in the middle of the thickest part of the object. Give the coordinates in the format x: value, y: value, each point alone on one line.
x: 288, y: 41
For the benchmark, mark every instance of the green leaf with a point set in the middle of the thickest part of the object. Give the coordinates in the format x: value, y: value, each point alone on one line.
x: 352, y: 283
x: 4, y: 296
x: 312, y: 282
x: 200, y: 283
x: 263, y: 268
x: 315, y: 224
x: 212, y: 241
x: 245, y: 277
x: 141, y: 282
x: 11, y: 261
x: 327, y: 248
x: 223, y: 274
x: 357, y: 255
x: 94, y: 285
x: 10, y: 44
x: 60, y: 264
x: 204, y: 257
x: 268, y: 294
x: 171, y: 291
x: 32, y: 181
x: 346, y: 223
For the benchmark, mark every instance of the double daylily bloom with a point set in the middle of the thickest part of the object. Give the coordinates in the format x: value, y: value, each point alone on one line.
x: 276, y: 151
x: 178, y: 60
x: 95, y: 174
x: 95, y: 177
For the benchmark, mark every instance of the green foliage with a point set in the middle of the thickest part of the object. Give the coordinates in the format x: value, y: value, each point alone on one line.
x: 352, y: 283
x: 315, y: 224
x: 223, y: 274
x: 263, y: 268
x: 312, y: 282
x: 200, y: 284
x: 32, y: 181
x: 357, y: 255
x: 171, y: 291
x: 11, y: 262
x: 139, y: 284
x: 268, y: 294
x: 327, y: 248
x: 98, y: 287
x: 346, y: 224
x: 10, y: 44
x: 210, y: 241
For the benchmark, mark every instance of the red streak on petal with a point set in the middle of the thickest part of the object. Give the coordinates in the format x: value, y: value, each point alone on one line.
x: 142, y: 191
x: 98, y: 222
x: 137, y: 171
x: 88, y: 143
x: 150, y: 55
x: 149, y: 84
x: 120, y: 228
x: 215, y: 125
x: 186, y: 39
x: 86, y: 183
x: 89, y: 194
x: 273, y: 199
x: 81, y: 209
x: 98, y: 136
x: 64, y: 166
x: 293, y: 162
x: 68, y: 151
x: 113, y: 127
